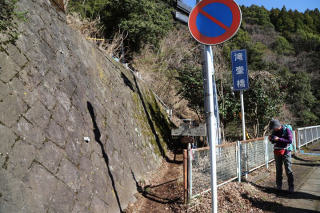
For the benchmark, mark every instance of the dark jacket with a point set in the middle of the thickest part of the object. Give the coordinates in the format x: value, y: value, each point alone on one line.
x: 285, y: 138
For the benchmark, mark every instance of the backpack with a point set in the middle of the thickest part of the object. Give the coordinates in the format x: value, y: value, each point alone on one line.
x: 288, y: 126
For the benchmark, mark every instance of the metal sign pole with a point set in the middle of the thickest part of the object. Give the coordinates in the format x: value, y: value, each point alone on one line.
x: 242, y: 115
x: 205, y: 27
x: 215, y: 103
x: 212, y: 128
x: 189, y: 172
x: 244, y: 131
x: 211, y: 120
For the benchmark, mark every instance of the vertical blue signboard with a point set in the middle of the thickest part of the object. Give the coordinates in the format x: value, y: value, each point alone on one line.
x: 240, y: 70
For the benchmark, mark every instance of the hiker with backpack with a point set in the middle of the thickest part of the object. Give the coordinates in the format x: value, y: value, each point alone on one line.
x: 281, y: 137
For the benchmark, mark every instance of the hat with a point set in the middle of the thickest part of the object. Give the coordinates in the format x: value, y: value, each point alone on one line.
x: 274, y: 124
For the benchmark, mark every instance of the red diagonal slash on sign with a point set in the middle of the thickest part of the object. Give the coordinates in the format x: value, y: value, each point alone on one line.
x: 229, y: 30
x: 214, y: 19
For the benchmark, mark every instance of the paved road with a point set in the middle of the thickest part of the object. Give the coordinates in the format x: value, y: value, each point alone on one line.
x: 308, y: 195
x: 306, y: 198
x: 309, y: 186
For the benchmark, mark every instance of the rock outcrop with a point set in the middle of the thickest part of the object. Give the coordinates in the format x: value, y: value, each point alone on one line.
x: 77, y: 129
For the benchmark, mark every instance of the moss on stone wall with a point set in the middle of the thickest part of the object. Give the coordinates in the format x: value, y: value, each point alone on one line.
x: 151, y: 118
x: 157, y: 129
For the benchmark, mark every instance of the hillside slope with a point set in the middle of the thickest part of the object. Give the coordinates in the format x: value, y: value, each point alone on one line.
x: 55, y: 89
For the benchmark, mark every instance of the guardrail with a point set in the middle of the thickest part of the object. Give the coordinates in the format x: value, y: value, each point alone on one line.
x: 307, y: 135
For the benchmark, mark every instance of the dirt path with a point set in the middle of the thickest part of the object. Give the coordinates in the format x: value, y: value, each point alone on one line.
x: 163, y: 193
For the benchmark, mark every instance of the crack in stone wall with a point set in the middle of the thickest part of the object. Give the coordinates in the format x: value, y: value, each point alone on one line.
x: 47, y: 80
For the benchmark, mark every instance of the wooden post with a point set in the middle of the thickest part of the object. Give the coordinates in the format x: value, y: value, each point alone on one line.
x: 185, y: 175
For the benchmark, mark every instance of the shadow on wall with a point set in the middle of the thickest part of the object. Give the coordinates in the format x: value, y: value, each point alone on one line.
x: 164, y: 127
x: 160, y: 122
x: 127, y: 82
x: 97, y: 135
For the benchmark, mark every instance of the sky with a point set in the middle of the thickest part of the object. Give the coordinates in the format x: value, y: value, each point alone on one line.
x: 300, y: 5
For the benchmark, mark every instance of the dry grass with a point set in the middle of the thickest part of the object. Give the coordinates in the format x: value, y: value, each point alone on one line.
x: 85, y: 26
x: 93, y: 30
x: 159, y: 68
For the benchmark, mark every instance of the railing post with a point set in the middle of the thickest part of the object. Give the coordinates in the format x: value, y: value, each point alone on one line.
x: 294, y: 138
x: 185, y: 175
x: 266, y: 151
x: 299, y: 139
x: 246, y: 159
x: 305, y: 137
x: 239, y: 160
x: 189, y: 172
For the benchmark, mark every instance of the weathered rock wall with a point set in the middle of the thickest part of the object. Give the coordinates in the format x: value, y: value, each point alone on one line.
x: 55, y: 89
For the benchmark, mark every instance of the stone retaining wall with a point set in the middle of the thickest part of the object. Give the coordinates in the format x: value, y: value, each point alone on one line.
x: 55, y: 89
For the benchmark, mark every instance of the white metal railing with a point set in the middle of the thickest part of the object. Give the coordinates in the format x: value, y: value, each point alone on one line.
x: 234, y: 160
x: 307, y: 135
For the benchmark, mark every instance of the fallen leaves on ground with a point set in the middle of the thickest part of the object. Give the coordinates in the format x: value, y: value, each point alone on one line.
x: 232, y: 197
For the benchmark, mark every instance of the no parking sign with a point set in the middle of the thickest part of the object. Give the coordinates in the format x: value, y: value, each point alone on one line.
x: 214, y: 21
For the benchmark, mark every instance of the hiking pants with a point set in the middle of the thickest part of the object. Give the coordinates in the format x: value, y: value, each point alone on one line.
x: 286, y: 160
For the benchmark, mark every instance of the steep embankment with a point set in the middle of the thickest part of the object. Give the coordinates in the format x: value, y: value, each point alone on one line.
x: 55, y: 89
